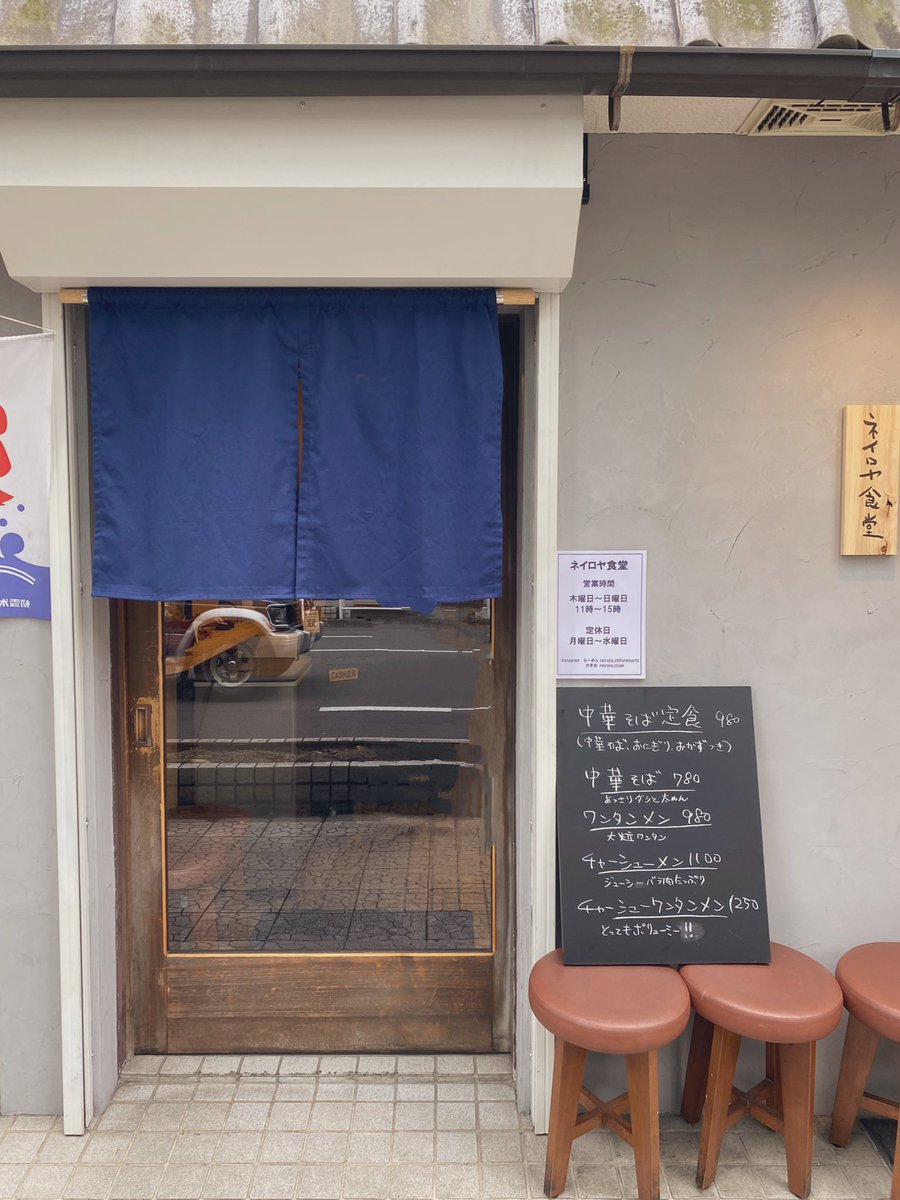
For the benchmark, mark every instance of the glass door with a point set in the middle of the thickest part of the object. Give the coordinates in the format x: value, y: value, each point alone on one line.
x: 326, y: 778
x: 315, y: 802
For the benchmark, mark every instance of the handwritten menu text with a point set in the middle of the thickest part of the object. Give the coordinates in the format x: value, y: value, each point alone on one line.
x: 660, y: 848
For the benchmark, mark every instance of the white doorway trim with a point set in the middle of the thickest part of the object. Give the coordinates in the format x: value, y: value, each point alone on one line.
x: 68, y: 735
x: 81, y: 726
x: 536, y: 715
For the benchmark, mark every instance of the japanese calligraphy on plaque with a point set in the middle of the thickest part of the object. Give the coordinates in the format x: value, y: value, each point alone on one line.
x: 660, y: 845
x: 871, y: 476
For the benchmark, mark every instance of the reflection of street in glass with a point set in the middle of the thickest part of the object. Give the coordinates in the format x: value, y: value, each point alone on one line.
x: 229, y: 645
x: 335, y: 801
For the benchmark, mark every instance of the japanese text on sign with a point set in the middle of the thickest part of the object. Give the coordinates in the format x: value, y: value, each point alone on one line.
x: 660, y: 847
x: 601, y: 614
x: 871, y: 475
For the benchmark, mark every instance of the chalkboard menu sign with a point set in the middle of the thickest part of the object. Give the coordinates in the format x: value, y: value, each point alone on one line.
x: 660, y: 846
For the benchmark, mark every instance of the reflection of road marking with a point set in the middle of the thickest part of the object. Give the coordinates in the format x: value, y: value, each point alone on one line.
x: 386, y: 650
x: 398, y: 708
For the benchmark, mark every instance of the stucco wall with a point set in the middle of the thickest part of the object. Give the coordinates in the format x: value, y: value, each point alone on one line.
x: 730, y: 295
x: 30, y: 1078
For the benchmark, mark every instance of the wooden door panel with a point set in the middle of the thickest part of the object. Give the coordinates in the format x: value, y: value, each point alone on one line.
x: 380, y: 1004
x: 220, y: 1003
x: 142, y: 854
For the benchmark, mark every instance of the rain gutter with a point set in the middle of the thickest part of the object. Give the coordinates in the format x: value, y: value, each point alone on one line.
x: 872, y: 76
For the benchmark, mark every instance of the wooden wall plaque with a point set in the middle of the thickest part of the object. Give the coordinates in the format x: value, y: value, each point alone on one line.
x: 871, y: 479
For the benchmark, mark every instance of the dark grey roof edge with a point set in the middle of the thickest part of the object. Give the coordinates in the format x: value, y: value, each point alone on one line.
x: 146, y: 71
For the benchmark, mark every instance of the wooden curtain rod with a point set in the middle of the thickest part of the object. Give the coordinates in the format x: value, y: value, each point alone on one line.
x: 505, y: 296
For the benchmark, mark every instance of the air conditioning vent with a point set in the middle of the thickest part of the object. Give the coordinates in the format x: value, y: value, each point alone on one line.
x: 814, y: 118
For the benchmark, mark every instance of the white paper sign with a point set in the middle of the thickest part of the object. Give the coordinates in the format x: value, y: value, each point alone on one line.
x: 601, y: 618
x: 25, y: 376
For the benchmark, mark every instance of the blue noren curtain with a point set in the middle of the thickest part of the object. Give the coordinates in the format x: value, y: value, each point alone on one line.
x: 196, y: 444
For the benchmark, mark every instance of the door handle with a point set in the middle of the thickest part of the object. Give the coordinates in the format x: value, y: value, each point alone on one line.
x: 143, y: 725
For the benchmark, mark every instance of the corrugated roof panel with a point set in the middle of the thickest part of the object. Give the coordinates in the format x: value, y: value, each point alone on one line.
x: 611, y: 23
x: 873, y: 23
x: 167, y: 22
x: 762, y: 23
x: 326, y: 22
x: 57, y: 22
x: 462, y: 23
x: 787, y: 24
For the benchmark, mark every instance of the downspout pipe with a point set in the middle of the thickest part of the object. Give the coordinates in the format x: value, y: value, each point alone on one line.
x: 872, y: 76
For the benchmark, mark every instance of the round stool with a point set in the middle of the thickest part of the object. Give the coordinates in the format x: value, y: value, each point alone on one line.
x: 615, y: 1010
x: 789, y: 1004
x: 870, y: 980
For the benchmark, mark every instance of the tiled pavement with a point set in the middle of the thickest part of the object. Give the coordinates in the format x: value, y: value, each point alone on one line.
x: 416, y: 1127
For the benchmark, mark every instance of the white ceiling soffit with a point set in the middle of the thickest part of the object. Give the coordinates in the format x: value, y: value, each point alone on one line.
x: 444, y: 190
x: 669, y: 114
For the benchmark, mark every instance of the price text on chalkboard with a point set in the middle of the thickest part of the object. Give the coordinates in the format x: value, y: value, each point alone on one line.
x: 660, y: 846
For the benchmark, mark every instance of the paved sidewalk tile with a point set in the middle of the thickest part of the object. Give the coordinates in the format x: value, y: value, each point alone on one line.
x: 180, y: 1064
x: 373, y: 1127
x: 299, y: 1064
x: 273, y: 1182
x: 89, y: 1182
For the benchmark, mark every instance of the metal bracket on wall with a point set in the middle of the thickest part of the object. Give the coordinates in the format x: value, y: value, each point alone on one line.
x: 626, y: 62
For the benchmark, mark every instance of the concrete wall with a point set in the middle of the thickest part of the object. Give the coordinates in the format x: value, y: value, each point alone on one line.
x: 30, y: 1072
x: 730, y: 295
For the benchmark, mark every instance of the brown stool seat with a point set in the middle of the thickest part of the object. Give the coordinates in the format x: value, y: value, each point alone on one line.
x: 631, y: 1011
x: 616, y: 1010
x: 869, y: 976
x: 789, y: 1003
x: 790, y: 1000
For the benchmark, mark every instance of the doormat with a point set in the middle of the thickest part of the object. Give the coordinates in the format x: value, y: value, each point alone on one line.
x: 884, y: 1134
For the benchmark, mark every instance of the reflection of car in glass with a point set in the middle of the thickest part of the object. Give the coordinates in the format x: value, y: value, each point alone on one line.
x: 230, y: 644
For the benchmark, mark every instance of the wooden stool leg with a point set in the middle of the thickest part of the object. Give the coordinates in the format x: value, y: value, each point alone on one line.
x: 773, y: 1072
x: 723, y: 1060
x: 643, y: 1098
x: 568, y: 1076
x: 697, y: 1073
x: 798, y: 1086
x: 860, y: 1044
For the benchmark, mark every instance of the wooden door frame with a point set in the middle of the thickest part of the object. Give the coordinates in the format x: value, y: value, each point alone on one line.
x: 381, y: 1003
